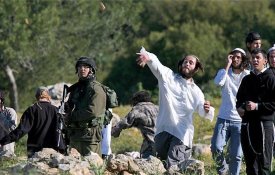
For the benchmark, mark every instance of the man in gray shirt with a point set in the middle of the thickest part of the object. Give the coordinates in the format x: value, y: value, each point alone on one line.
x: 8, y: 121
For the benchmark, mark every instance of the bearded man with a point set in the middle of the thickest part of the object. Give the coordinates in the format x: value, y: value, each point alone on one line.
x: 179, y: 98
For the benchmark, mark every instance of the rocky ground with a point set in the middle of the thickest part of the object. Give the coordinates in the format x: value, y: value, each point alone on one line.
x: 48, y: 161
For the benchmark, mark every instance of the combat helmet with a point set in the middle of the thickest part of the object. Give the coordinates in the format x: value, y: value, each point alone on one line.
x: 87, y: 61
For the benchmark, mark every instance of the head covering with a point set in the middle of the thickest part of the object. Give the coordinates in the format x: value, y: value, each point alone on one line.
x: 252, y: 36
x: 86, y: 61
x: 271, y: 49
x: 238, y: 50
x: 245, y: 60
x: 42, y: 92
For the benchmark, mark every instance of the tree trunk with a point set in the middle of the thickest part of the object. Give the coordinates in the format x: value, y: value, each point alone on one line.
x: 13, y: 90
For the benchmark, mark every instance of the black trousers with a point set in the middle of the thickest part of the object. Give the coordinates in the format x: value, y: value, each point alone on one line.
x: 170, y: 149
x: 257, y: 143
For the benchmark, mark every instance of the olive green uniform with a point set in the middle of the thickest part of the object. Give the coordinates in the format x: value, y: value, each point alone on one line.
x: 87, y: 102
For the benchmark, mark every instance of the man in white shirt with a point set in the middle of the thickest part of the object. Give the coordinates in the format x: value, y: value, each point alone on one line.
x: 228, y: 125
x: 179, y: 98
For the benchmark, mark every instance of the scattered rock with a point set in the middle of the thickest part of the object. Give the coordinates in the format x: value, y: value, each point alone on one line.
x: 201, y: 149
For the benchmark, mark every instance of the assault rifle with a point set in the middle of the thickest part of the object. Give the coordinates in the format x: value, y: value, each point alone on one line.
x: 61, y: 145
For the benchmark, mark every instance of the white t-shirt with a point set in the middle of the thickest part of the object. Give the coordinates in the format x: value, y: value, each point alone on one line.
x: 229, y: 83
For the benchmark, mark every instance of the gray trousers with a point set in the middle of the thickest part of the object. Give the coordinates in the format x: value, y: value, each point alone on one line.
x: 170, y: 149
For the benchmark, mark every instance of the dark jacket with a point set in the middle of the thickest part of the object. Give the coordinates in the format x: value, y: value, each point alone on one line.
x: 87, y: 103
x: 40, y: 122
x: 272, y: 70
x: 259, y: 89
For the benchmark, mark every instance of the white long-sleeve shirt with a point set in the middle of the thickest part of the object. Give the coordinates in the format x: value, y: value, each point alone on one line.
x: 229, y: 83
x: 178, y: 100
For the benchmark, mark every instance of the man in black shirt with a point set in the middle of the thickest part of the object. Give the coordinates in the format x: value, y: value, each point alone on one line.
x: 40, y: 122
x: 256, y: 106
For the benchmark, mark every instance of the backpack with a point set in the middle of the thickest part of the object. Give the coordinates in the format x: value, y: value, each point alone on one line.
x: 111, y: 102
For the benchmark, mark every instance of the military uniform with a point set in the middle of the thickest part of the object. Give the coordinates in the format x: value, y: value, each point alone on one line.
x: 87, y: 101
x: 142, y: 116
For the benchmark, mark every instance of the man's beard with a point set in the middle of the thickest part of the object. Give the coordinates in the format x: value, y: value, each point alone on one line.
x: 187, y: 75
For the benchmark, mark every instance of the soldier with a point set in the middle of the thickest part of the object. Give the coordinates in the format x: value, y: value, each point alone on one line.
x: 142, y: 116
x: 8, y: 121
x: 87, y: 105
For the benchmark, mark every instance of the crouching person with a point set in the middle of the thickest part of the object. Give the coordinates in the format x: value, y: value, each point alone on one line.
x: 142, y: 116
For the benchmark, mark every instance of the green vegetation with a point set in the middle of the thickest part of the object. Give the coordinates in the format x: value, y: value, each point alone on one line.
x: 40, y: 41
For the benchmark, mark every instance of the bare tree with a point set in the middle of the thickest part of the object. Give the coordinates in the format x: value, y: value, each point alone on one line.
x: 13, y: 93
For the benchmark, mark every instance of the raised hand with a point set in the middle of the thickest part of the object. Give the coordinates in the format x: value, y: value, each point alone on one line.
x: 143, y: 57
x: 229, y: 62
x: 229, y: 59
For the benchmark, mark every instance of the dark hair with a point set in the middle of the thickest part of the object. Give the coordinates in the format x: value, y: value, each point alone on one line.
x: 141, y: 96
x: 198, y: 65
x: 2, y: 96
x: 245, y: 59
x: 252, y: 36
x: 87, y: 61
x: 259, y: 50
